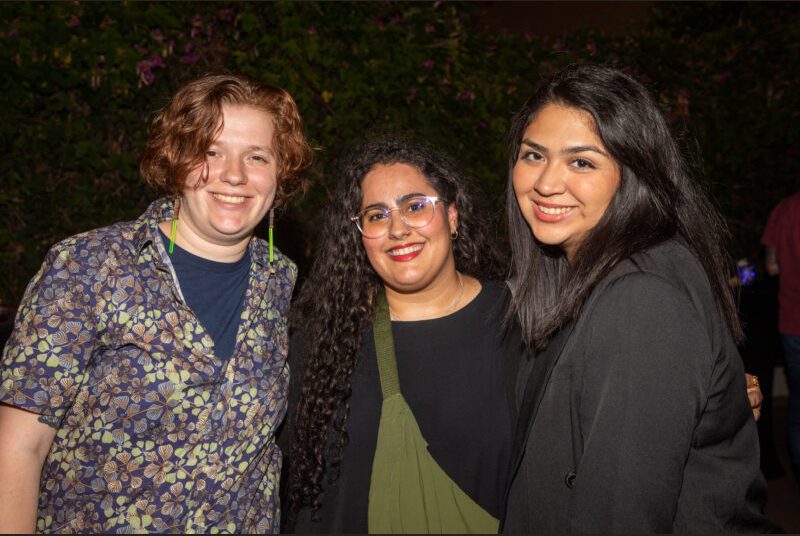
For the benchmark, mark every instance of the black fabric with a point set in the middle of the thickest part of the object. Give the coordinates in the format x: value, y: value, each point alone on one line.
x: 452, y: 374
x: 636, y: 419
x: 215, y: 293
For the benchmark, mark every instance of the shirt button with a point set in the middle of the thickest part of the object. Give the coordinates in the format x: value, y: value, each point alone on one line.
x: 569, y: 479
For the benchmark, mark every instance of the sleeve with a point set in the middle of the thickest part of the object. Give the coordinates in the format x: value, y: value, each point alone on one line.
x: 771, y: 235
x: 642, y: 393
x: 45, y: 358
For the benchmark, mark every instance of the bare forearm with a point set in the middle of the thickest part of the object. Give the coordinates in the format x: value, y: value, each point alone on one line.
x: 19, y: 492
x: 24, y: 444
x: 771, y: 261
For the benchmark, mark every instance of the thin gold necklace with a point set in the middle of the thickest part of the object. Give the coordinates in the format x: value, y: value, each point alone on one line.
x: 452, y: 306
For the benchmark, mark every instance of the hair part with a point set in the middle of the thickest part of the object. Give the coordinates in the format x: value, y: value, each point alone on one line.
x: 334, y: 306
x: 656, y: 200
x: 185, y: 128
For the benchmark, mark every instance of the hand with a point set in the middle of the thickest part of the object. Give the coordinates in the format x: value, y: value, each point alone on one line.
x: 754, y: 394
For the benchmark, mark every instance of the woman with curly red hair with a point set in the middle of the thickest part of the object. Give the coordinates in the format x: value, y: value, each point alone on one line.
x: 146, y: 374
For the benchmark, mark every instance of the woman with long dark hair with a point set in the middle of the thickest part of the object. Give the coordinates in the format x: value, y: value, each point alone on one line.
x: 632, y: 413
x: 401, y: 250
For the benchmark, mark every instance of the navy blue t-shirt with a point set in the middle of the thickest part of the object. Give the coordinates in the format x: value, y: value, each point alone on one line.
x: 215, y: 293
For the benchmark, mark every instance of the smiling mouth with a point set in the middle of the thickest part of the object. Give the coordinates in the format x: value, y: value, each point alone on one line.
x: 232, y: 199
x: 554, y: 211
x: 399, y: 252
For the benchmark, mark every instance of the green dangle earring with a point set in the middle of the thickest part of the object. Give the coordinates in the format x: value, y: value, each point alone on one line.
x: 271, y: 226
x: 175, y: 215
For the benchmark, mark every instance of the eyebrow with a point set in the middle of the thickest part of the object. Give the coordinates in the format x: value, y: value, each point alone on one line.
x: 398, y: 200
x: 249, y: 148
x: 568, y: 150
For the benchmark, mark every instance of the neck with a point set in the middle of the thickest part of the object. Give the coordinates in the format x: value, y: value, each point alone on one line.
x: 188, y: 240
x: 436, y: 301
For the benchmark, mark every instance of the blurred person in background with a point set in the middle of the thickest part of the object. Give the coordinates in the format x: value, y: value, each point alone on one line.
x: 781, y: 239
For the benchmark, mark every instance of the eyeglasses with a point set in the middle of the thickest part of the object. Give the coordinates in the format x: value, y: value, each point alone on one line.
x: 417, y: 211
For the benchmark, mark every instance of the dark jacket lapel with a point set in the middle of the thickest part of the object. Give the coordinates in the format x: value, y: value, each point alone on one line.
x: 543, y: 364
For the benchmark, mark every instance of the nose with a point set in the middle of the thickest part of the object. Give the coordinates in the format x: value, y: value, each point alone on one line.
x: 550, y: 181
x: 397, y: 227
x: 233, y: 172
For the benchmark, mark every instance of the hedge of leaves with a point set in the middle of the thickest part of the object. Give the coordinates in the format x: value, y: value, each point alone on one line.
x: 82, y: 81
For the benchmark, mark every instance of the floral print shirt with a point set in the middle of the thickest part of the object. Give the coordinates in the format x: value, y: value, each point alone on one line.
x: 154, y: 431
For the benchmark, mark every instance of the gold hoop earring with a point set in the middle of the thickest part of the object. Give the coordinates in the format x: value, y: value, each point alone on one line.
x: 454, y: 235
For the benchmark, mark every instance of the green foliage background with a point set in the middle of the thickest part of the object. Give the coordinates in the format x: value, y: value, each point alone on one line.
x: 82, y: 80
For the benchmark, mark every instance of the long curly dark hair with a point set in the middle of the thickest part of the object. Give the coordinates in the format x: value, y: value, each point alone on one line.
x: 334, y: 306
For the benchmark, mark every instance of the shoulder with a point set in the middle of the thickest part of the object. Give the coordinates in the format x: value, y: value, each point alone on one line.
x: 494, y: 290
x: 88, y: 253
x: 785, y: 211
x: 119, y: 237
x: 669, y: 266
x: 665, y: 282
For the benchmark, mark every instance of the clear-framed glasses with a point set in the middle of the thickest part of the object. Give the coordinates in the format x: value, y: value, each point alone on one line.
x: 417, y: 211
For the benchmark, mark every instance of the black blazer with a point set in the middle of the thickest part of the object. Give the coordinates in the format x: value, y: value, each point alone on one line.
x: 636, y: 418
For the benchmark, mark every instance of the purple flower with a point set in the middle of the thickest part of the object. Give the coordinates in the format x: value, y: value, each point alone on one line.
x: 429, y: 28
x: 156, y: 61
x: 13, y: 32
x: 190, y: 58
x: 591, y: 47
x: 197, y: 20
x: 145, y: 72
x: 411, y: 95
x: 428, y: 64
x: 188, y: 47
x: 312, y: 31
x: 73, y: 21
x: 397, y: 19
x: 379, y: 22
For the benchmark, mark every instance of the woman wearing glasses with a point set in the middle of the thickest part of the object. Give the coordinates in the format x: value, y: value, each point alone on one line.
x: 402, y: 421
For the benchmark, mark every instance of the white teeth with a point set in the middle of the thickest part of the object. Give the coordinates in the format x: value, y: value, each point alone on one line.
x: 554, y: 211
x: 405, y: 250
x: 237, y: 200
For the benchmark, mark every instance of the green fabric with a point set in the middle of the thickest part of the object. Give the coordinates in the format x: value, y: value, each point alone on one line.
x: 409, y: 493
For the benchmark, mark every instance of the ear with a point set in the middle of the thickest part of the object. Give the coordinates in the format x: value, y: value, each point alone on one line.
x: 452, y: 217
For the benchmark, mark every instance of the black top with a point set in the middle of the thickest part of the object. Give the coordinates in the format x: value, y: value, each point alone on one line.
x: 215, y: 293
x: 452, y: 376
x: 635, y: 418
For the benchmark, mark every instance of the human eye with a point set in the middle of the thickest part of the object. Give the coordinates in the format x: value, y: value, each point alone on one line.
x: 583, y: 163
x: 530, y: 155
x: 260, y: 159
x: 416, y: 204
x: 211, y: 153
x: 376, y: 215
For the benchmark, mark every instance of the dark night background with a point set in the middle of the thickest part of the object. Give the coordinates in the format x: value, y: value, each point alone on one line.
x: 83, y: 80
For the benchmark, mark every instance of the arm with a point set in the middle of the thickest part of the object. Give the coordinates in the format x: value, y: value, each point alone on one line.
x: 642, y: 392
x: 24, y: 444
x: 771, y: 261
x: 754, y: 394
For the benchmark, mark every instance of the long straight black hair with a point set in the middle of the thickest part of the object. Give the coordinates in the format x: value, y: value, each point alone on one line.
x: 656, y: 200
